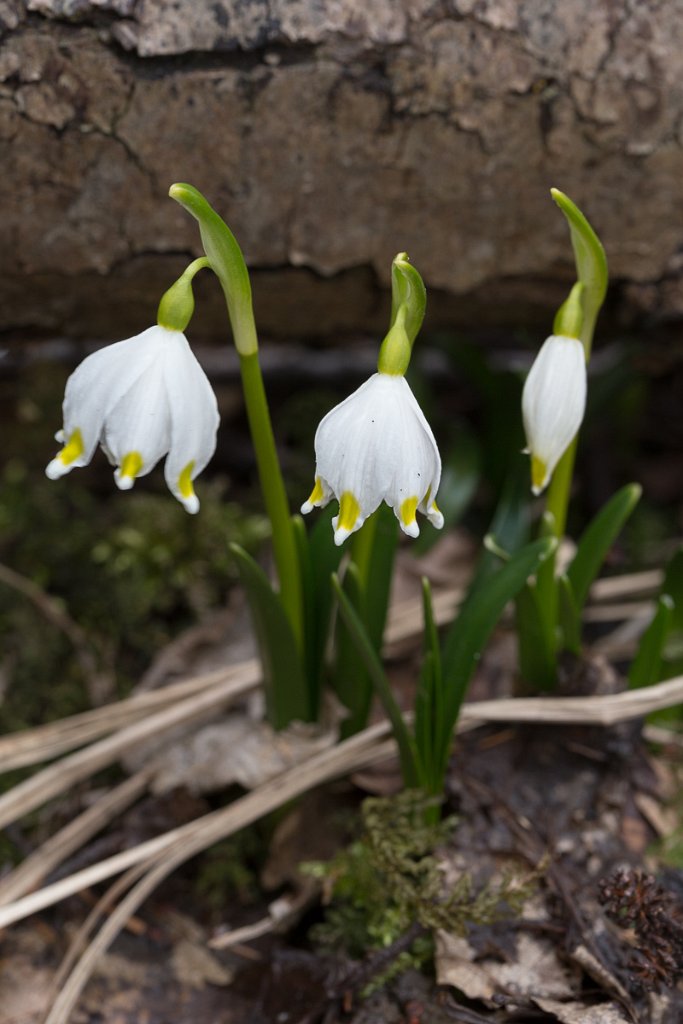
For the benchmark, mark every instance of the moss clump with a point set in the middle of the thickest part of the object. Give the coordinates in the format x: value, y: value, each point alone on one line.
x: 389, y: 880
x: 130, y: 572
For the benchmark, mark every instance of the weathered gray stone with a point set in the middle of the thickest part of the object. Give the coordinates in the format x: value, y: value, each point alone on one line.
x: 331, y: 134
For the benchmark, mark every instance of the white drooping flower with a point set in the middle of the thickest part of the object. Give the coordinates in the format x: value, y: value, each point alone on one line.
x: 141, y: 399
x: 553, y: 404
x: 377, y: 446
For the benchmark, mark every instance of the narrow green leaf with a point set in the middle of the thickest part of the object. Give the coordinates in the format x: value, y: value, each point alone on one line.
x: 536, y: 651
x: 646, y: 666
x: 597, y: 539
x: 319, y: 557
x: 366, y: 583
x: 673, y: 586
x: 492, y: 545
x: 374, y: 551
x: 370, y: 658
x: 350, y: 678
x: 591, y: 264
x: 509, y: 525
x: 284, y: 679
x: 570, y: 620
x: 480, y: 613
x: 407, y: 290
x: 429, y: 702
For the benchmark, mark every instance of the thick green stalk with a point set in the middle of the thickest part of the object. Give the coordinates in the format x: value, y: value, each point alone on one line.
x: 274, y: 495
x: 554, y: 525
x: 559, y: 491
x: 362, y: 546
x: 579, y: 312
x: 226, y: 260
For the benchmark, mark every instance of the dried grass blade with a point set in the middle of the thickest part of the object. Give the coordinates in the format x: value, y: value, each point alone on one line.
x: 51, y: 781
x: 355, y: 753
x: 71, y: 838
x: 362, y: 748
x: 600, y: 710
x: 631, y: 584
x: 48, y: 741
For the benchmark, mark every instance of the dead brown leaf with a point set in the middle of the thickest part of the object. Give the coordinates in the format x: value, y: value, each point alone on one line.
x: 195, y: 966
x: 579, y: 1013
x: 535, y: 971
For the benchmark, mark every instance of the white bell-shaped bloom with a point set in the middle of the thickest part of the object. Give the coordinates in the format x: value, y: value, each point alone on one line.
x: 141, y: 399
x: 553, y: 404
x: 377, y: 446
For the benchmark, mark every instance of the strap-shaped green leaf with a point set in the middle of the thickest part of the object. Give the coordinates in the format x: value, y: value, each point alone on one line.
x: 284, y: 679
x: 646, y: 666
x: 570, y: 619
x: 597, y: 539
x: 429, y: 704
x: 509, y: 525
x: 349, y: 676
x: 371, y: 660
x: 673, y: 586
x: 536, y: 651
x: 591, y: 264
x: 367, y: 583
x: 319, y: 557
x: 478, y: 616
x: 373, y: 551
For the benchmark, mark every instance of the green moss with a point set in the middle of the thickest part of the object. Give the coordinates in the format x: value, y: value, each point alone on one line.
x: 131, y: 571
x: 230, y: 869
x: 390, y: 878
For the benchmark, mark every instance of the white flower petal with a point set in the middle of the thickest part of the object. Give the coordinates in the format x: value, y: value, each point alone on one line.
x: 137, y: 432
x: 94, y: 388
x: 194, y: 421
x: 376, y: 446
x: 553, y: 404
x: 142, y: 398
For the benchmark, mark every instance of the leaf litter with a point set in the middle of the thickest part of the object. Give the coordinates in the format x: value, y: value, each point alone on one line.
x: 584, y: 801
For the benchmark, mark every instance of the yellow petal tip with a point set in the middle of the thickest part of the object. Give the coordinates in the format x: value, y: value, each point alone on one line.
x: 186, y: 494
x: 407, y: 516
x: 539, y: 474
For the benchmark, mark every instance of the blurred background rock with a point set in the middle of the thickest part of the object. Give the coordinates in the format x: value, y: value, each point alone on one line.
x: 331, y: 135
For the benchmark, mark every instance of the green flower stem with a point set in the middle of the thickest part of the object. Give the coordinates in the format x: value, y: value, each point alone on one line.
x: 177, y: 304
x: 554, y: 525
x: 226, y: 260
x: 362, y: 546
x: 577, y: 316
x: 193, y: 268
x: 274, y: 495
x: 559, y: 491
x: 591, y: 264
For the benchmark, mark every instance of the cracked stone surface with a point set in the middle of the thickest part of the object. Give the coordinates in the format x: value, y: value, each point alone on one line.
x: 331, y: 134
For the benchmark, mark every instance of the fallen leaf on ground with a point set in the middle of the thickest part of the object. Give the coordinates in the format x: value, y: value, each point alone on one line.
x: 535, y: 971
x: 579, y: 1013
x: 195, y: 966
x: 242, y: 749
